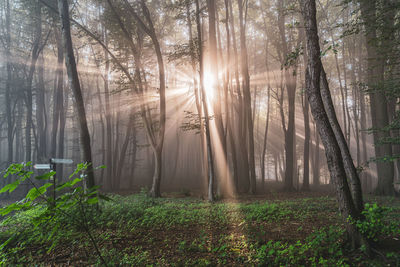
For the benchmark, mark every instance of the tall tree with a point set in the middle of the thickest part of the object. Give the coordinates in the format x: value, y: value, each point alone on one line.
x: 378, y: 100
x: 210, y: 158
x: 246, y: 93
x: 213, y: 66
x: 74, y: 84
x: 157, y: 143
x: 321, y: 117
x: 288, y: 59
x: 37, y: 17
x: 10, y: 120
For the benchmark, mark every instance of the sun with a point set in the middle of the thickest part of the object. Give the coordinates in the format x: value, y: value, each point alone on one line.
x: 209, y: 85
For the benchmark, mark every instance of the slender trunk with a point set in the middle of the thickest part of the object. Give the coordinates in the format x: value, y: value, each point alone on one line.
x: 241, y: 118
x: 316, y: 166
x: 122, y: 154
x: 205, y: 108
x: 247, y: 96
x: 19, y: 154
x: 159, y: 142
x: 225, y: 174
x: 290, y: 82
x: 108, y: 115
x: 306, y: 155
x: 197, y: 92
x: 264, y: 150
x: 379, y: 103
x: 40, y: 113
x: 344, y: 99
x: 29, y: 95
x: 76, y: 88
x: 228, y: 110
x: 349, y: 125
x: 103, y: 130
x: 213, y: 63
x: 10, y: 121
x: 61, y: 137
x: 58, y: 90
x: 133, y: 160
x: 350, y: 169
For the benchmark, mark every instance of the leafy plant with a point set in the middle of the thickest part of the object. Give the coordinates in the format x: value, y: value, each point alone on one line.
x: 47, y: 214
x: 374, y: 223
x: 325, y: 241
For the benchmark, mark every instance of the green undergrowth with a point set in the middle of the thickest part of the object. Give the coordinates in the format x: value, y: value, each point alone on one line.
x: 137, y: 230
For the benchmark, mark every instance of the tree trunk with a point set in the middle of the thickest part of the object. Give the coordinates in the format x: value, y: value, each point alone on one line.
x: 247, y: 97
x: 29, y: 96
x: 197, y: 92
x: 61, y: 137
x: 290, y: 81
x: 210, y: 161
x: 321, y: 117
x: 41, y: 113
x: 108, y: 115
x: 217, y: 102
x: 350, y: 169
x: 58, y: 88
x: 74, y: 84
x: 379, y: 103
x: 264, y: 150
x: 243, y: 156
x: 122, y: 155
x: 306, y: 154
x: 10, y: 121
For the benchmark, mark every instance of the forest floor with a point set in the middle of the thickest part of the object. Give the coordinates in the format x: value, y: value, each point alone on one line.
x: 289, y: 229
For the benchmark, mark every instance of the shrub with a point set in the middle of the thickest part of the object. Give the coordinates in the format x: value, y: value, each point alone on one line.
x: 40, y: 217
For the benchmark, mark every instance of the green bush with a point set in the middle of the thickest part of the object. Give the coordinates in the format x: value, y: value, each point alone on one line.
x: 41, y: 219
x: 374, y: 224
x: 325, y: 241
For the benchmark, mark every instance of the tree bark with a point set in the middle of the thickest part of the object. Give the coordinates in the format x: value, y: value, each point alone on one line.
x: 350, y: 169
x: 58, y: 88
x: 379, y: 103
x: 74, y: 84
x: 10, y: 121
x: 321, y: 117
x: 41, y: 124
x: 29, y: 96
x: 306, y: 153
x: 290, y: 82
x: 210, y: 160
x: 264, y: 149
x: 247, y: 97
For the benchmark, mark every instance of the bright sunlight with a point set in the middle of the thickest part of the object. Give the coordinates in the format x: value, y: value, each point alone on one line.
x: 209, y: 85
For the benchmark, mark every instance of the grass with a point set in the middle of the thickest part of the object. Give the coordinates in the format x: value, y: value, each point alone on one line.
x: 139, y: 231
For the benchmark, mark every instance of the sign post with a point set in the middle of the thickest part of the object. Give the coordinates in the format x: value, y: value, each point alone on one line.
x: 42, y: 166
x: 52, y: 165
x: 61, y: 161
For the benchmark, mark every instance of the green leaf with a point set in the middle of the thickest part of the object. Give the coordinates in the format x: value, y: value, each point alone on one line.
x: 5, y: 243
x: 10, y: 187
x: 92, y: 200
x: 35, y: 192
x: 68, y: 184
x: 10, y: 208
x: 45, y: 176
x: 101, y: 167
